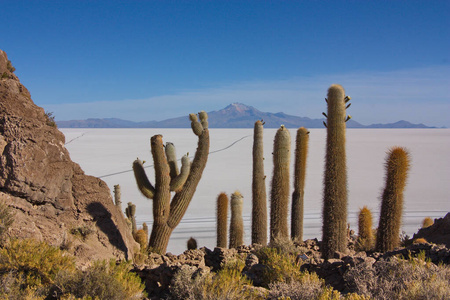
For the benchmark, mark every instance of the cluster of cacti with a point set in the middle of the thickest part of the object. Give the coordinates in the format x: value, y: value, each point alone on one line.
x: 365, y: 230
x: 397, y: 166
x: 236, y: 222
x: 130, y: 212
x: 168, y: 213
x: 259, y: 198
x: 334, y: 214
x: 301, y: 152
x: 222, y: 219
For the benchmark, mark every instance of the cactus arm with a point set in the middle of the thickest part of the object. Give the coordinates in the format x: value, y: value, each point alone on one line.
x: 203, y: 119
x: 196, y: 126
x: 181, y: 200
x: 171, y: 155
x: 142, y: 181
x: 177, y: 182
x: 161, y: 200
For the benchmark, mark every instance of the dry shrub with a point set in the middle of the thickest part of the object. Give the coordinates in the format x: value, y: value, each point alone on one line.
x: 400, y: 279
x: 103, y: 280
x: 228, y: 283
x: 279, y: 266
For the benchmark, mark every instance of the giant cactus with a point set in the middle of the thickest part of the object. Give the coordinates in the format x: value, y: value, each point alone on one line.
x: 279, y: 198
x: 334, y: 215
x: 301, y: 152
x: 259, y: 198
x: 222, y: 219
x: 130, y: 212
x: 236, y: 222
x: 397, y: 166
x: 168, y: 213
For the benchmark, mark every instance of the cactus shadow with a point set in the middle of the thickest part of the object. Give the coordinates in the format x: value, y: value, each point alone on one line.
x: 103, y: 220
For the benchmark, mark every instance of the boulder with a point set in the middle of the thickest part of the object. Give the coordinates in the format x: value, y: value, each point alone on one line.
x: 438, y: 233
x: 52, y: 199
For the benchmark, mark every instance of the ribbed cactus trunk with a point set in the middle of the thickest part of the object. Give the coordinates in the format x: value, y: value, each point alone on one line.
x: 397, y: 167
x: 236, y: 222
x: 259, y: 197
x: 117, y: 197
x: 130, y: 212
x: 334, y: 215
x: 301, y: 153
x: 279, y: 198
x: 167, y: 214
x: 222, y: 219
x: 365, y: 231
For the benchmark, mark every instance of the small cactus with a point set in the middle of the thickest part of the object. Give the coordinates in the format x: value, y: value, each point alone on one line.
x: 117, y: 196
x: 427, y: 222
x: 130, y: 212
x: 222, y: 219
x: 192, y: 244
x: 279, y: 199
x: 397, y: 167
x: 236, y: 222
x: 141, y: 238
x: 365, y: 231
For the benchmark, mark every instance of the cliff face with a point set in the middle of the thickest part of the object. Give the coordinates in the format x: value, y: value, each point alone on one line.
x: 52, y: 198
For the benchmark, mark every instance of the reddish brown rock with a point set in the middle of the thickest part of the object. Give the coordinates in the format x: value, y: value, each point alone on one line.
x: 52, y: 198
x: 438, y: 233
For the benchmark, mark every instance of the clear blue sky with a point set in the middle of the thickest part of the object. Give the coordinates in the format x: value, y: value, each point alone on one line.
x: 151, y: 60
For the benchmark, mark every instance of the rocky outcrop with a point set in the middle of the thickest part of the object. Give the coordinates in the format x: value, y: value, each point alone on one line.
x: 438, y: 233
x: 52, y: 198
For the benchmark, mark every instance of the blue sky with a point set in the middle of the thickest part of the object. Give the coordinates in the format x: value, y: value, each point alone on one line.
x: 151, y: 60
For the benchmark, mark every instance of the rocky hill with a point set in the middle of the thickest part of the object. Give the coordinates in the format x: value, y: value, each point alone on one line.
x: 53, y: 200
x: 235, y: 115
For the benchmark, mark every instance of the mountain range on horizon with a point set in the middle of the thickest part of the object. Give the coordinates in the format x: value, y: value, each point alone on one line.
x: 235, y: 115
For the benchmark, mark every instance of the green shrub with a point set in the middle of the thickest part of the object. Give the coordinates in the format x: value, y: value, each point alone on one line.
x: 10, y: 67
x: 228, y: 283
x: 50, y: 119
x: 5, y: 75
x: 279, y: 266
x: 6, y: 219
x: 37, y: 262
x: 82, y: 231
x: 103, y: 280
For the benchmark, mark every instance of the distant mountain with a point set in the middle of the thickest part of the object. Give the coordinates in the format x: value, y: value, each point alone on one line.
x: 236, y: 115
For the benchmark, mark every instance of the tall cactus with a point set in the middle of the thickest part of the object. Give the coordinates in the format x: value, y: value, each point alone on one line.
x: 259, y: 197
x: 168, y: 213
x: 365, y: 231
x: 222, y: 219
x: 334, y: 214
x: 279, y: 198
x: 236, y: 222
x: 397, y: 167
x: 301, y: 152
x: 130, y: 212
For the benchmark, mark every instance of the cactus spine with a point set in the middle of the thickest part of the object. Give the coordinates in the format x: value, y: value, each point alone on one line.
x: 168, y: 213
x: 301, y: 152
x: 279, y: 198
x: 236, y: 222
x: 334, y: 214
x: 365, y: 231
x: 130, y: 212
x: 259, y: 197
x: 222, y: 219
x: 397, y: 166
